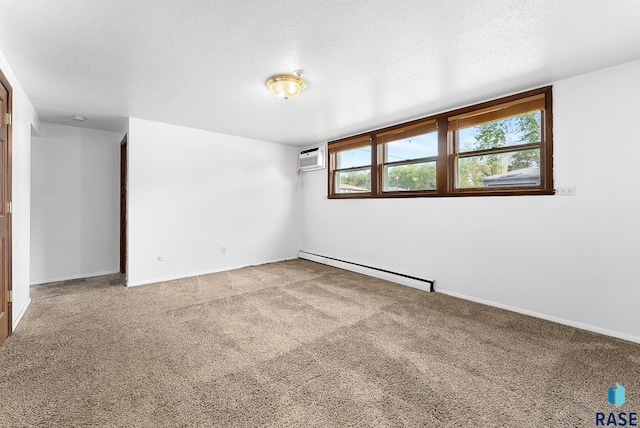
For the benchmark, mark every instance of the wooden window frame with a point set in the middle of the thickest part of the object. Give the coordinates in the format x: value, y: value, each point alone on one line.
x: 446, y: 159
x: 405, y: 131
x: 348, y: 144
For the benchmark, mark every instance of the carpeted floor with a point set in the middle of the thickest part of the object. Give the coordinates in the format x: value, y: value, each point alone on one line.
x: 301, y: 344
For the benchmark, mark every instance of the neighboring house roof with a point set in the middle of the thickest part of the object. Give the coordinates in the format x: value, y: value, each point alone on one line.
x: 348, y: 188
x: 519, y: 177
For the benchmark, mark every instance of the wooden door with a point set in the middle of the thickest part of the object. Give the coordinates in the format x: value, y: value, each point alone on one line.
x: 5, y: 209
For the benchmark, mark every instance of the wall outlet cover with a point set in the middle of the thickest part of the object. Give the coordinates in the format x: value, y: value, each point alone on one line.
x: 566, y: 191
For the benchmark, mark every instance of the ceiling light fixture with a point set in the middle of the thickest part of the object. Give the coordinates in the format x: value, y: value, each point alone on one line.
x: 287, y: 85
x: 79, y: 118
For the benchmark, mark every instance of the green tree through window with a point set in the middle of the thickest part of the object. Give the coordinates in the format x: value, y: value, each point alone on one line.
x: 501, y: 147
x: 512, y: 131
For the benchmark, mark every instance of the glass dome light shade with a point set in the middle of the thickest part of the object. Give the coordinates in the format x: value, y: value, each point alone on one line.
x: 286, y: 85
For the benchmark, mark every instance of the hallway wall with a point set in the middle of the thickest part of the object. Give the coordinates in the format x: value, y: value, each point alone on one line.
x: 75, y: 203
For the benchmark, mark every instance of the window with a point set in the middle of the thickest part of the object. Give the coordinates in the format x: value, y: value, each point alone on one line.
x: 498, y: 146
x: 350, y: 166
x: 501, y: 147
x: 409, y: 155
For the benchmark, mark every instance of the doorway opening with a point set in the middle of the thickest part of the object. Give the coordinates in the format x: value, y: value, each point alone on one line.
x: 123, y: 205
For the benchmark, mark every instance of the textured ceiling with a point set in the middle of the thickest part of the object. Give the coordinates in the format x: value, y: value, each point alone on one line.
x: 367, y: 63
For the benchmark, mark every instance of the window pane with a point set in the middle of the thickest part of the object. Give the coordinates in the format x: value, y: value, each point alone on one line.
x: 415, y: 147
x: 358, y: 181
x: 510, y: 131
x: 518, y: 168
x: 417, y: 176
x: 359, y: 156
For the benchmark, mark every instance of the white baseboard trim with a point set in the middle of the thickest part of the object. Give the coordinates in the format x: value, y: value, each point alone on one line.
x: 564, y: 321
x: 78, y: 276
x: 20, y: 315
x: 191, y: 275
x: 424, y: 284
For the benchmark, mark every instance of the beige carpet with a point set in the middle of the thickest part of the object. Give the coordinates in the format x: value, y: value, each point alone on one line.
x: 301, y: 344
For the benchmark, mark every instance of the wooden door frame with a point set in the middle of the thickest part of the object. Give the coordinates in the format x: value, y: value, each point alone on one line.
x: 9, y: 172
x: 123, y: 204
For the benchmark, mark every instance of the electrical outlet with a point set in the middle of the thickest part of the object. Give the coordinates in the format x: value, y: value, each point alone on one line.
x: 223, y: 250
x: 566, y: 191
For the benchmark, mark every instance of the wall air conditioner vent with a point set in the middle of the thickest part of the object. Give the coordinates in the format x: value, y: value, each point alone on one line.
x: 312, y: 158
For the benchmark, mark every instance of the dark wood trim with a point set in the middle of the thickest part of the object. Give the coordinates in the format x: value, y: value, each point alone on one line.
x: 349, y: 143
x: 503, y: 100
x: 442, y: 165
x: 330, y: 169
x: 495, y: 112
x: 344, y: 145
x: 447, y: 152
x: 504, y: 191
x: 546, y: 151
x: 9, y: 196
x: 499, y: 150
x: 410, y: 161
x: 363, y: 195
x: 123, y: 204
x: 400, y: 132
x: 353, y: 168
x: 376, y: 174
x: 379, y: 165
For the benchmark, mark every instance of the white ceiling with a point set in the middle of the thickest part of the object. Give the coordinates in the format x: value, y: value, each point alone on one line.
x: 204, y: 63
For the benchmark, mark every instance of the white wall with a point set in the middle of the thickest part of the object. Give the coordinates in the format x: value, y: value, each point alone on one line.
x: 192, y: 192
x: 75, y: 203
x: 570, y: 259
x: 25, y: 120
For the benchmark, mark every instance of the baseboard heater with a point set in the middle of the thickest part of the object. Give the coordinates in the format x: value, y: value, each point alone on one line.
x: 424, y: 284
